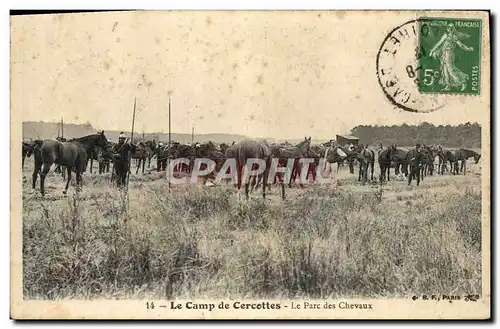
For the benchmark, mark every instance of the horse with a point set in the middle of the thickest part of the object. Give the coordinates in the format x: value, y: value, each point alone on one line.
x: 251, y: 149
x: 463, y: 155
x: 449, y: 156
x: 368, y: 160
x: 384, y: 162
x: 428, y: 164
x: 161, y: 154
x: 283, y: 153
x: 398, y: 157
x: 25, y: 149
x: 121, y: 163
x: 35, y: 150
x: 208, y: 151
x: 230, y: 153
x: 337, y: 154
x: 71, y: 154
x: 223, y: 147
x: 151, y: 148
x: 141, y: 154
x: 104, y: 157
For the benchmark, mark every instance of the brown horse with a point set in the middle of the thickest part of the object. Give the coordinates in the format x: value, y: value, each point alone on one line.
x: 142, y: 153
x: 367, y: 160
x: 463, y: 155
x: 448, y: 156
x: 251, y: 149
x: 72, y: 155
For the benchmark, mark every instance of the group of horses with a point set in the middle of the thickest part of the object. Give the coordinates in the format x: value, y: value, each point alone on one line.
x: 75, y: 154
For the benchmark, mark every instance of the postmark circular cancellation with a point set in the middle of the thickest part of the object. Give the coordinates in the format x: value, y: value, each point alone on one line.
x: 398, y: 71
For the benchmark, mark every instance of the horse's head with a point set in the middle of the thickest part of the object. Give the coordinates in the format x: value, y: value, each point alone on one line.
x: 477, y: 156
x: 305, y: 145
x: 102, y: 141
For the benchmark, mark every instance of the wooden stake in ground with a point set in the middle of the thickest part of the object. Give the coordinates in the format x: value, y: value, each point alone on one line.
x: 131, y: 141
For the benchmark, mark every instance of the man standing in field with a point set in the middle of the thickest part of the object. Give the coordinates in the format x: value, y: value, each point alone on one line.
x: 121, y: 164
x: 415, y: 163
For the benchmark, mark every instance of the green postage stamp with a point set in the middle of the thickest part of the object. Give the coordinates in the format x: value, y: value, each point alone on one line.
x: 450, y: 60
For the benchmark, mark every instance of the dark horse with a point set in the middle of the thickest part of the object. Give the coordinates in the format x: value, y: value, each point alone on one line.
x: 251, y: 149
x: 384, y: 161
x: 463, y: 155
x: 26, y: 147
x: 72, y: 155
x: 448, y: 156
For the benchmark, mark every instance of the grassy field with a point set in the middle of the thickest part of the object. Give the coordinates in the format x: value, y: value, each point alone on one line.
x: 342, y: 239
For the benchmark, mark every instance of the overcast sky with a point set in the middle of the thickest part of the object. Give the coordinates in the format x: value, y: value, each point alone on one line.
x: 260, y: 74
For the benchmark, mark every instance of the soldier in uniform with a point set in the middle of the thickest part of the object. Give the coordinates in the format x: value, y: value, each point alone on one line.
x: 121, y: 140
x: 121, y: 163
x: 415, y: 163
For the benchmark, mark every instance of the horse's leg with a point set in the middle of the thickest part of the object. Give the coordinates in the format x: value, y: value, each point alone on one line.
x: 137, y: 165
x: 410, y: 176
x: 373, y: 168
x: 418, y: 177
x: 246, y: 190
x: 465, y: 166
x: 143, y: 164
x: 69, y: 179
x: 291, y: 175
x: 36, y: 170
x: 43, y: 174
x: 79, y: 182
x: 239, y: 168
x: 264, y: 179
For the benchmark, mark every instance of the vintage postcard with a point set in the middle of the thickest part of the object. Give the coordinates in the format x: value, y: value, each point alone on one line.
x: 250, y: 165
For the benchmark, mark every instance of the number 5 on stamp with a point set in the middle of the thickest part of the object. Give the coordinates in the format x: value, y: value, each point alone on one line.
x: 450, y: 60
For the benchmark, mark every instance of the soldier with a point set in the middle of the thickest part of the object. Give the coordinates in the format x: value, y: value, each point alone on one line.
x: 415, y: 163
x: 121, y: 140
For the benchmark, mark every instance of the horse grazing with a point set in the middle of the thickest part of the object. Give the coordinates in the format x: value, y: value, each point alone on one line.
x: 25, y: 149
x: 251, y: 149
x: 463, y: 155
x: 71, y: 154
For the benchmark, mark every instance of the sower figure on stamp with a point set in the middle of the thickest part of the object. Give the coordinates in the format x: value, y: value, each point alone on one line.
x: 444, y: 50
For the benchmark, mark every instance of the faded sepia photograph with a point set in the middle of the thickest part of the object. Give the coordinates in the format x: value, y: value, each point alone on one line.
x: 250, y: 164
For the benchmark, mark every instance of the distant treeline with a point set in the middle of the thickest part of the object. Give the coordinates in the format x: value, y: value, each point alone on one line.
x: 463, y: 135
